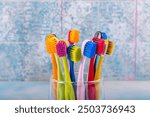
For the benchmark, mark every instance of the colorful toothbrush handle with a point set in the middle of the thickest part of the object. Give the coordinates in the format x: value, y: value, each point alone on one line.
x: 60, y: 85
x: 80, y: 83
x: 91, y: 85
x: 99, y: 68
x: 72, y: 75
x: 91, y: 70
x: 98, y: 76
x: 96, y: 63
x: 54, y: 68
x: 69, y: 91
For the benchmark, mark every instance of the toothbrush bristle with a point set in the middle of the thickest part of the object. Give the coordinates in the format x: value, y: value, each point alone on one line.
x: 104, y: 36
x: 90, y: 49
x: 50, y: 36
x: 106, y: 45
x: 100, y: 46
x: 68, y: 51
x: 51, y: 42
x: 110, y: 48
x: 73, y: 36
x: 61, y: 48
x: 95, y: 39
x: 75, y: 53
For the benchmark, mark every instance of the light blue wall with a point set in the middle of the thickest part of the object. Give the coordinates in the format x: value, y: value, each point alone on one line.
x: 24, y: 25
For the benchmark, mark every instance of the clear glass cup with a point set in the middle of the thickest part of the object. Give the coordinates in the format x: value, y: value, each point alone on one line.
x: 87, y: 90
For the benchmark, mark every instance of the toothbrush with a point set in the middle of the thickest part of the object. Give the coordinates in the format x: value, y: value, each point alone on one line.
x: 103, y: 36
x: 109, y: 48
x: 50, y: 43
x: 99, y: 50
x: 88, y: 50
x: 74, y: 55
x: 73, y: 37
x: 61, y: 48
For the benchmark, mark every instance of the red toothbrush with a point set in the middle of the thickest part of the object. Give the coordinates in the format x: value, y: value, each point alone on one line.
x: 91, y: 86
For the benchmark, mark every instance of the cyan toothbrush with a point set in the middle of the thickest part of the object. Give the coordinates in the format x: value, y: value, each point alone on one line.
x: 88, y: 50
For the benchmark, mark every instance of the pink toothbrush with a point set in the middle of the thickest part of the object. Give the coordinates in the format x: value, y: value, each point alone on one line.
x: 88, y: 50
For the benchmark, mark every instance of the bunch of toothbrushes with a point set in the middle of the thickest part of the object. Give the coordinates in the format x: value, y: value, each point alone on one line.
x: 64, y: 55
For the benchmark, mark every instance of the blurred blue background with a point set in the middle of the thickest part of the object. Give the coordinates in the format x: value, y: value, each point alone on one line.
x: 25, y: 23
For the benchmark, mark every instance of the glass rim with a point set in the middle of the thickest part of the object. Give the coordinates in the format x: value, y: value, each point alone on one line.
x: 85, y: 82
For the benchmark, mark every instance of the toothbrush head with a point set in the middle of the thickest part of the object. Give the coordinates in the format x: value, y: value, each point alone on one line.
x: 106, y: 45
x: 64, y: 41
x: 50, y: 36
x: 100, y: 35
x: 100, y: 46
x: 61, y: 49
x: 110, y: 49
x: 104, y: 36
x: 90, y: 49
x: 68, y: 51
x: 50, y: 43
x: 74, y: 53
x: 73, y: 36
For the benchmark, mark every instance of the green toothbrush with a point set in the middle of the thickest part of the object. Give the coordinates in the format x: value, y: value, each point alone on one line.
x: 61, y: 48
x: 60, y: 83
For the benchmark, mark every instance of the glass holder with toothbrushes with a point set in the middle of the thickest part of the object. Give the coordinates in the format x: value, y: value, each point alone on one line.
x: 96, y: 86
x: 66, y: 84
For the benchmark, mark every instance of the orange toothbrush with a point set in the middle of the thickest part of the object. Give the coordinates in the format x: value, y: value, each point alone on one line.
x: 51, y: 42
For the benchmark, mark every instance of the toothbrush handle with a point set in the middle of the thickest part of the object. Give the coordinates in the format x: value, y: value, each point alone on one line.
x: 69, y: 91
x: 72, y: 75
x: 96, y: 63
x: 66, y: 70
x: 98, y: 76
x: 91, y: 70
x: 80, y: 83
x: 59, y: 74
x: 91, y: 86
x: 54, y: 68
x: 99, y: 68
x: 60, y: 85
